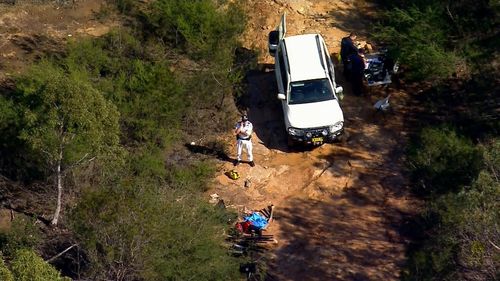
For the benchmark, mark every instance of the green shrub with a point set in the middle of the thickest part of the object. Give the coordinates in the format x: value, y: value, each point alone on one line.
x: 28, y: 266
x: 23, y: 233
x: 442, y: 161
x: 193, y: 177
x: 5, y: 274
x: 15, y: 160
x: 201, y: 28
x: 148, y: 162
x: 461, y: 240
x: 435, y: 38
x: 418, y: 39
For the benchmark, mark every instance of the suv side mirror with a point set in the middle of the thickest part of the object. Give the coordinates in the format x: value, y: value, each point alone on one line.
x: 281, y: 96
x: 273, y: 42
x: 339, y: 89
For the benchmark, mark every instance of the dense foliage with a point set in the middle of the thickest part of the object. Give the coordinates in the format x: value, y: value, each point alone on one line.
x: 5, y: 273
x: 134, y: 231
x: 23, y: 234
x: 65, y: 121
x: 435, y: 39
x: 441, y: 161
x: 193, y: 27
x: 457, y: 176
x: 462, y: 228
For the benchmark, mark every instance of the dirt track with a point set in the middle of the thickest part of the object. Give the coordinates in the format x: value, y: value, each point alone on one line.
x: 339, y: 207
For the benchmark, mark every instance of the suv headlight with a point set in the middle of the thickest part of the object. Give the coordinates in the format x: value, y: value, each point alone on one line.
x: 295, y: 132
x: 336, y: 127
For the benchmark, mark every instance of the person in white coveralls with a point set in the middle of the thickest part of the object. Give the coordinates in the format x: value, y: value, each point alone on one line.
x: 243, y: 132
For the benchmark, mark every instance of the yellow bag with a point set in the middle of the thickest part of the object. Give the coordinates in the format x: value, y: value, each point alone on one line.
x: 233, y: 175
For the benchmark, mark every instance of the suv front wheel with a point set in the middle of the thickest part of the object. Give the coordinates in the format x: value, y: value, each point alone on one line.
x: 342, y: 138
x: 290, y: 142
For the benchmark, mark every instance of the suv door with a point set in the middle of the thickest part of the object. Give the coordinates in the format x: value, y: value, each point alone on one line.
x: 281, y: 71
x: 331, y: 71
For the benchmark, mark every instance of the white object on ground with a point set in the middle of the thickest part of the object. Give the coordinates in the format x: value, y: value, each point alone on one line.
x: 382, y: 104
x: 214, y: 198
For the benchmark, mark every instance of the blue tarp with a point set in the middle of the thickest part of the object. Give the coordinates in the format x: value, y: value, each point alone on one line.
x: 256, y: 220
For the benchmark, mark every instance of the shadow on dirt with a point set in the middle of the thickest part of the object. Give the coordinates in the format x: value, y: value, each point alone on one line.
x: 258, y: 98
x: 264, y: 109
x: 211, y: 149
x: 336, y: 242
x: 356, y: 235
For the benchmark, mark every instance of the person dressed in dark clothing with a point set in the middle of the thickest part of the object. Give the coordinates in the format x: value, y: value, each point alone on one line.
x: 357, y: 71
x: 347, y: 48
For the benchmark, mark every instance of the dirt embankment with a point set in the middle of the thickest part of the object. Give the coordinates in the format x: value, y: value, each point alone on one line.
x: 339, y: 207
x: 30, y: 29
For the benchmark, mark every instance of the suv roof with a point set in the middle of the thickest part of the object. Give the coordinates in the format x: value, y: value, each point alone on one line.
x: 304, y: 57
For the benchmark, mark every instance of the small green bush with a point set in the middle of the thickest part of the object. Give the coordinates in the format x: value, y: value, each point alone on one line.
x: 22, y: 234
x: 442, y: 161
x: 28, y: 266
x: 147, y: 162
x: 5, y: 274
x: 192, y: 177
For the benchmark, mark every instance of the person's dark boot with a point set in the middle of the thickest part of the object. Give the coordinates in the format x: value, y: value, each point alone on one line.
x: 252, y: 164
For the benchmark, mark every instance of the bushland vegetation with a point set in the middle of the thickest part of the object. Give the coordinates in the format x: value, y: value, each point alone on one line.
x: 459, y: 226
x: 453, y: 156
x: 438, y: 38
x: 101, y: 123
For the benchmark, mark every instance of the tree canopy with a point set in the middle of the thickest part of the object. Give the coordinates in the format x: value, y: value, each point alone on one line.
x: 65, y: 120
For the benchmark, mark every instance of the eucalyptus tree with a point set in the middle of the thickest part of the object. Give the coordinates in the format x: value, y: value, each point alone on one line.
x: 66, y: 120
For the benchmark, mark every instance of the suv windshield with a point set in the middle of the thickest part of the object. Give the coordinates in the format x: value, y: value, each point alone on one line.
x: 310, y: 91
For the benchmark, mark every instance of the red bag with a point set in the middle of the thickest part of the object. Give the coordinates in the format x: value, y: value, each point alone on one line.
x: 243, y: 227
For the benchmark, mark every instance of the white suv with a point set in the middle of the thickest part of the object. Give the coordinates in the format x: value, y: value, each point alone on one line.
x: 306, y: 83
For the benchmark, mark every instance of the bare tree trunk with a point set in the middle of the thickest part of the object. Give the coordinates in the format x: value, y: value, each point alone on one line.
x: 59, y: 190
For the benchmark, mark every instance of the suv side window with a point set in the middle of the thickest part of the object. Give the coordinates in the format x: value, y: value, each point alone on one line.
x: 283, y: 72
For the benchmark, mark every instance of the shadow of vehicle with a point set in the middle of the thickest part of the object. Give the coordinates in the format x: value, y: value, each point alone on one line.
x: 264, y: 108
